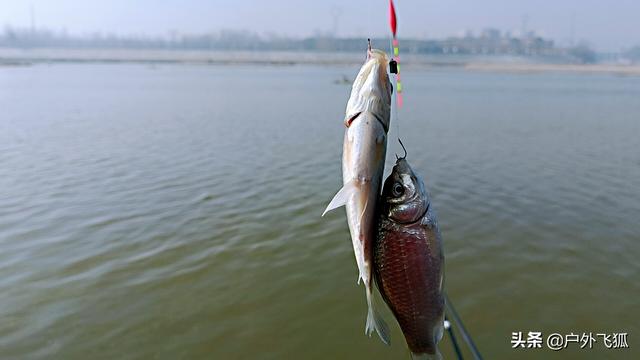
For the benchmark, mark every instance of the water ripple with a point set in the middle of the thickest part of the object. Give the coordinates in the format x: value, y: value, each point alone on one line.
x: 163, y: 217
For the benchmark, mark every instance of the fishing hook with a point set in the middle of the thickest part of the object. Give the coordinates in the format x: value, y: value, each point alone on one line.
x: 403, y: 148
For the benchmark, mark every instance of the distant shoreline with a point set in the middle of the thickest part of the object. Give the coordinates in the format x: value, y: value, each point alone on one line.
x: 571, y: 68
x: 25, y: 57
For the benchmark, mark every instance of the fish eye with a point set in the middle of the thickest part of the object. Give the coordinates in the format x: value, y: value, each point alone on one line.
x: 397, y: 189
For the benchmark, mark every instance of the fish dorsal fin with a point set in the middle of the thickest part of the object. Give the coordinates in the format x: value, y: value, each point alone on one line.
x: 343, y: 195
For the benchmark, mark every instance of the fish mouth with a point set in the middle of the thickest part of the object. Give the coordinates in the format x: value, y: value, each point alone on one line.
x: 371, y: 89
x: 402, y: 167
x: 375, y: 71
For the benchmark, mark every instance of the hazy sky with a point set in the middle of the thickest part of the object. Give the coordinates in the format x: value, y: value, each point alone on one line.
x: 606, y: 24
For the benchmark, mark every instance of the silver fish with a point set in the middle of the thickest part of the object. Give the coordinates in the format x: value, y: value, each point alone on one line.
x: 364, y: 150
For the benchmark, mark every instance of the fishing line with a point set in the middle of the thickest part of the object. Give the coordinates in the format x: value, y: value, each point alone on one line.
x: 394, y: 66
x: 394, y: 104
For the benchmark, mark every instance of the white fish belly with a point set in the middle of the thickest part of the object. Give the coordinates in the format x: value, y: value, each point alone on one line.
x: 364, y: 152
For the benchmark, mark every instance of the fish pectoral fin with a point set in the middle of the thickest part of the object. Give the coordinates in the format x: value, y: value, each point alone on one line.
x: 343, y: 195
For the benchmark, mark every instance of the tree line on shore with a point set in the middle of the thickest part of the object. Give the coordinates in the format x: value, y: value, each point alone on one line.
x: 488, y: 43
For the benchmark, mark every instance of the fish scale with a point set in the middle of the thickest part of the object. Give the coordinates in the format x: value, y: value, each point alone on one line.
x: 409, y: 262
x: 404, y: 265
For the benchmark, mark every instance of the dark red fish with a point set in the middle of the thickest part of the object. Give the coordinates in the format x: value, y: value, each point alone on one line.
x: 409, y: 261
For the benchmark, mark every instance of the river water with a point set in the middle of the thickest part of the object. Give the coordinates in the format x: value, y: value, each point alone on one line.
x: 173, y: 211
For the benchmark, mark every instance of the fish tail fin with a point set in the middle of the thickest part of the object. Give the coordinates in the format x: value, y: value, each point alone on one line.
x: 375, y: 321
x: 342, y: 196
x: 425, y: 356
